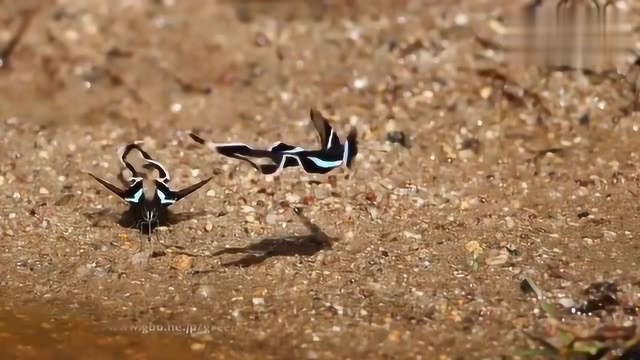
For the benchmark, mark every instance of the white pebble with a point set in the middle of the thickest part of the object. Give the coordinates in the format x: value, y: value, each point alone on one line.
x: 258, y: 301
x: 566, y: 302
x: 292, y: 198
x: 412, y: 235
x: 247, y: 209
x: 271, y: 218
x: 510, y: 223
x: 205, y: 291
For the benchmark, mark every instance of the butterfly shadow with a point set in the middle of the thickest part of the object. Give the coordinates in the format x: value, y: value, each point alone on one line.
x: 293, y: 245
x: 132, y: 219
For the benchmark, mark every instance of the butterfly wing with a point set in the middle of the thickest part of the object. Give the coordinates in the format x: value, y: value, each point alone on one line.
x: 124, y: 153
x: 328, y: 136
x: 242, y: 152
x: 134, y: 195
x: 150, y: 163
x: 281, y: 147
x: 163, y: 174
x: 168, y: 197
x: 351, y: 147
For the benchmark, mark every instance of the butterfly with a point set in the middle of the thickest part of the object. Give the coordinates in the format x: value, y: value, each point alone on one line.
x: 272, y: 161
x: 148, y: 198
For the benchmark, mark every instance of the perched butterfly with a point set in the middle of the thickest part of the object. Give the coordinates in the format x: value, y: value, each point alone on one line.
x: 333, y: 153
x: 148, y: 198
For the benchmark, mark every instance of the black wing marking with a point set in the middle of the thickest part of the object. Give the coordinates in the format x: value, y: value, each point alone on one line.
x: 235, y: 150
x: 150, y: 163
x: 328, y: 136
x: 280, y: 147
x: 124, y: 152
x: 168, y: 197
x: 325, y: 131
x: 134, y: 195
x: 280, y: 162
x: 163, y: 174
x: 241, y: 152
x: 312, y: 167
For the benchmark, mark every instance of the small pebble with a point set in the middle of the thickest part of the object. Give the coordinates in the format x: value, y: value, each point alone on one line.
x: 473, y: 247
x: 205, y: 291
x: 412, y: 235
x: 510, y: 222
x: 292, y: 198
x: 43, y: 191
x: 247, y: 209
x: 182, y: 262
x: 258, y: 301
x: 140, y: 259
x: 398, y: 137
x: 394, y: 336
x: 567, y: 303
x: 498, y: 259
x: 197, y: 346
x: 271, y: 218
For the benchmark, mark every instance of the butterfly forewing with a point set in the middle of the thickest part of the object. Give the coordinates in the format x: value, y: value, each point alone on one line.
x: 133, y: 195
x: 168, y: 197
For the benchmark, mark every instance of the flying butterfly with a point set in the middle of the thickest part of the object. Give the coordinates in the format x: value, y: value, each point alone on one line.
x: 272, y: 161
x: 148, y: 198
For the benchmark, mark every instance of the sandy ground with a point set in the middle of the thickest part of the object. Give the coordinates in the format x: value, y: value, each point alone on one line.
x: 435, y: 236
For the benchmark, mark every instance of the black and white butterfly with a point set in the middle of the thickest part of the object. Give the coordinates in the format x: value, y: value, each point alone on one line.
x: 333, y: 153
x: 148, y: 198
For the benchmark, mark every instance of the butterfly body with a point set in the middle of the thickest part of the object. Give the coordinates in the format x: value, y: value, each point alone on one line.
x: 148, y: 197
x: 272, y: 161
